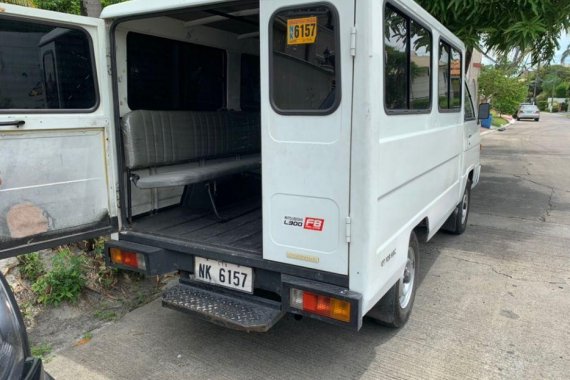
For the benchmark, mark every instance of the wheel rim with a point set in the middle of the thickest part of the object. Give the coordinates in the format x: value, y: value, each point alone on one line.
x: 464, y: 208
x: 408, y: 279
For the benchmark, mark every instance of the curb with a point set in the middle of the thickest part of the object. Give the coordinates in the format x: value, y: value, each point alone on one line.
x: 491, y: 130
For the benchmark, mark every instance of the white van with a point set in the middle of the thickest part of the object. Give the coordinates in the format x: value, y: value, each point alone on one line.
x: 283, y: 156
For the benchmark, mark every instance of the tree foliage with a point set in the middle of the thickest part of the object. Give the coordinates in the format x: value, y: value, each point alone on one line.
x: 23, y: 3
x: 65, y: 6
x: 503, y: 25
x: 504, y: 91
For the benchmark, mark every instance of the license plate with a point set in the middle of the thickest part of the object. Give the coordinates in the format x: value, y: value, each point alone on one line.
x: 223, y: 274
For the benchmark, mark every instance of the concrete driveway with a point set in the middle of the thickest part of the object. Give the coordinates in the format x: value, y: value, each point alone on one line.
x: 492, y: 303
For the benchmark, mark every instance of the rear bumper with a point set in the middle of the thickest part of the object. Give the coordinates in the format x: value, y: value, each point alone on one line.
x: 231, y: 308
x: 528, y: 116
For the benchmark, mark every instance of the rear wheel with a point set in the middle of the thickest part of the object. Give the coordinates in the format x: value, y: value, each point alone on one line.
x: 457, y: 221
x: 395, y: 307
x: 535, y: 119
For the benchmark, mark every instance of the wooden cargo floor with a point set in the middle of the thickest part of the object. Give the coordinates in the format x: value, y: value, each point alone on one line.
x: 242, y: 231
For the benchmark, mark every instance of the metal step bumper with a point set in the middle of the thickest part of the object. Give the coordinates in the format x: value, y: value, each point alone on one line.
x: 234, y: 312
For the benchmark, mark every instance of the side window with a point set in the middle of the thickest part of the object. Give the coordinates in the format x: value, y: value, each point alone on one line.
x: 449, y: 78
x: 45, y: 67
x: 468, y: 106
x: 407, y: 70
x: 250, y: 89
x: 443, y: 76
x: 164, y: 74
x: 304, y: 64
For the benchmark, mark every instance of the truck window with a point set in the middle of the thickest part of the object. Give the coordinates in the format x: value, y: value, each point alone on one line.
x: 304, y: 64
x: 408, y: 47
x: 165, y: 74
x: 45, y: 67
x: 449, y: 78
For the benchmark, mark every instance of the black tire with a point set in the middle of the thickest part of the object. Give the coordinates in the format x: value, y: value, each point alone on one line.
x: 518, y: 119
x: 394, y: 309
x: 536, y: 120
x: 457, y: 221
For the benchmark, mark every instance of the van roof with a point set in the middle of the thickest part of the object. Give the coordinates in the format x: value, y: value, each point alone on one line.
x: 138, y: 7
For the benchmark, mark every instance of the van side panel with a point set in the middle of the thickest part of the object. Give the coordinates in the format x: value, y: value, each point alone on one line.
x: 407, y: 167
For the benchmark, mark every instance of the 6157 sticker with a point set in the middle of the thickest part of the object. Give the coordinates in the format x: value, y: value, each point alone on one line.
x: 301, y: 31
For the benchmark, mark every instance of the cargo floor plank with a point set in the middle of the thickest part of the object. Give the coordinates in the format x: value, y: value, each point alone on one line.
x: 242, y: 230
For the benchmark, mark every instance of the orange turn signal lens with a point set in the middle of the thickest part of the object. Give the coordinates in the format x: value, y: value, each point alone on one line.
x: 321, y: 305
x: 116, y: 256
x: 340, y: 310
x: 129, y: 259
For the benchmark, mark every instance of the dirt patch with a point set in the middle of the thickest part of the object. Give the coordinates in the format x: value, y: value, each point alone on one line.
x: 106, y: 297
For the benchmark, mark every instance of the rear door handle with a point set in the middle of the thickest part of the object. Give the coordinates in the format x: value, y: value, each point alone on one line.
x: 16, y: 123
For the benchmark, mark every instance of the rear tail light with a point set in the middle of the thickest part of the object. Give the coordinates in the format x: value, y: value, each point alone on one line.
x: 321, y: 305
x: 128, y: 259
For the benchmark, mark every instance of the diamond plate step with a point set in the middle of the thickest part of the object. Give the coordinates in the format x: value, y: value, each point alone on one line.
x: 233, y: 312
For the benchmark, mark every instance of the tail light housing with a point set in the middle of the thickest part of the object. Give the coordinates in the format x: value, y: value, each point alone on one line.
x: 127, y: 258
x: 319, y: 304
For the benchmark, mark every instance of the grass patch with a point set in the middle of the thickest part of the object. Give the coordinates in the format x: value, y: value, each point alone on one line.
x: 41, y: 350
x: 65, y: 280
x: 106, y: 315
x: 498, y: 121
x: 31, y: 266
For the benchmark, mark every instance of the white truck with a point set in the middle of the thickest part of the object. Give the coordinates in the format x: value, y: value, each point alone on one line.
x: 284, y: 156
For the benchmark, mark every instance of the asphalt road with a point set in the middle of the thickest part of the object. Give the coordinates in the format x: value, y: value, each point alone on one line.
x: 492, y: 303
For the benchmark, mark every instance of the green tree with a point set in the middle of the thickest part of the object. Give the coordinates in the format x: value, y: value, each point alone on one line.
x: 561, y: 90
x: 503, y: 25
x: 65, y: 6
x: 565, y: 54
x: 551, y: 81
x: 502, y: 89
x: 24, y: 3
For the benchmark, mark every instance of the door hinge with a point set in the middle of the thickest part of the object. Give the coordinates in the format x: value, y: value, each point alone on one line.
x: 348, y: 229
x: 353, y: 41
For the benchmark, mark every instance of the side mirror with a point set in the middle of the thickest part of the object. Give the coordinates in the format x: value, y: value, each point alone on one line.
x: 484, y: 111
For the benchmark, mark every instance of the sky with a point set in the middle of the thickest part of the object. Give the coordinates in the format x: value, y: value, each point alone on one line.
x: 564, y: 41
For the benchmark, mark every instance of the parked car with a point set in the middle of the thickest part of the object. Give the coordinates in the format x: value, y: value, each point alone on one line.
x: 16, y: 361
x: 528, y: 111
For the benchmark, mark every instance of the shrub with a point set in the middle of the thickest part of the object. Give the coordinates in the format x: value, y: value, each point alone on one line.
x: 555, y: 107
x: 65, y: 280
x: 31, y: 266
x: 543, y: 105
x: 564, y: 107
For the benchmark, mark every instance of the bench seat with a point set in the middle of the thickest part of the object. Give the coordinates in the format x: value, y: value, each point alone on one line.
x: 188, y: 174
x: 225, y: 142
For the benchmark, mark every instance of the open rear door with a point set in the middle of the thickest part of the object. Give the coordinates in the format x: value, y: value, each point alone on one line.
x: 56, y: 147
x: 306, y: 81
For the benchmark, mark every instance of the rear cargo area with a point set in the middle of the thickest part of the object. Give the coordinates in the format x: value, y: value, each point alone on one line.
x: 190, y: 126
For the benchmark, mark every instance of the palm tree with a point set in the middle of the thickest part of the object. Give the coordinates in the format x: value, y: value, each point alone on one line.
x: 565, y: 54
